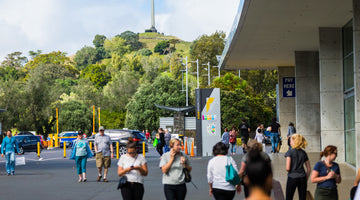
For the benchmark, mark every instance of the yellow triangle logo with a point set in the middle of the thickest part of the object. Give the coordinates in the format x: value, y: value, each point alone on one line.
x: 209, y: 101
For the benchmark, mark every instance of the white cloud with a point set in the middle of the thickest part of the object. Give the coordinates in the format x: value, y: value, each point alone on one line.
x: 67, y: 25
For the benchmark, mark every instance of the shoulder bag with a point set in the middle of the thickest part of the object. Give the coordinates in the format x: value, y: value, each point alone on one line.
x: 231, y: 175
x: 123, y: 179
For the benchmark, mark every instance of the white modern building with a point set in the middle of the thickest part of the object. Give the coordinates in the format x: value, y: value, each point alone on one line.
x: 315, y: 45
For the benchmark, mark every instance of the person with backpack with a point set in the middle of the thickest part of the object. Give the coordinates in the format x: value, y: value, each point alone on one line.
x: 296, y: 157
x: 244, y: 129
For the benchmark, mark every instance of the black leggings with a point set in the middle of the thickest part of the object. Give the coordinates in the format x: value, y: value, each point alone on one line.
x: 159, y: 149
x: 220, y: 194
x: 175, y: 192
x: 292, y: 184
x: 132, y: 191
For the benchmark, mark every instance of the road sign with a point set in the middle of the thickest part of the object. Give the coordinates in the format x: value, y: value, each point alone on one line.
x: 288, y: 86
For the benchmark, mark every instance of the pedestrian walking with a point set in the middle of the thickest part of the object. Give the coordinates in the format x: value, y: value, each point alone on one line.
x: 327, y: 175
x: 216, y: 172
x: 295, y: 160
x: 258, y: 176
x: 244, y: 133
x: 104, y: 152
x: 8, y: 147
x: 291, y: 131
x: 253, y: 146
x: 275, y: 134
x: 167, y: 138
x: 232, y: 141
x: 161, y: 142
x: 226, y: 137
x: 134, y: 167
x: 147, y: 135
x: 172, y: 164
x: 259, y: 137
x: 80, y: 153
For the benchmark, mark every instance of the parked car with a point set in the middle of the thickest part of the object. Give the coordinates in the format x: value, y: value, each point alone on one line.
x: 27, y: 143
x: 41, y: 139
x: 68, y: 138
x: 122, y: 136
x: 25, y: 133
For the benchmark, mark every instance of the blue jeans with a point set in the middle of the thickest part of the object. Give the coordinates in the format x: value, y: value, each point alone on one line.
x: 10, y: 161
x: 274, y: 141
x: 233, y: 147
x: 81, y: 164
x: 166, y: 148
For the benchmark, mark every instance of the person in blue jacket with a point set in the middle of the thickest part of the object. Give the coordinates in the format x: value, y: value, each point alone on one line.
x: 80, y: 153
x: 8, y: 149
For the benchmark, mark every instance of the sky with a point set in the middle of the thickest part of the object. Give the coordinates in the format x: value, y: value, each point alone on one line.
x: 69, y: 25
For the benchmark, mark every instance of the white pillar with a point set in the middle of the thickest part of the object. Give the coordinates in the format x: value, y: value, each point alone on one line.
x: 356, y: 38
x: 307, y: 99
x: 331, y: 90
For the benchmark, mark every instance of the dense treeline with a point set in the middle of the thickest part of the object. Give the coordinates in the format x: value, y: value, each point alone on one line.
x: 124, y: 75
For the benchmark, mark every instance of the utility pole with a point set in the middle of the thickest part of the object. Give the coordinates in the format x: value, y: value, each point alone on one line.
x: 197, y: 71
x: 208, y: 69
x: 187, y: 81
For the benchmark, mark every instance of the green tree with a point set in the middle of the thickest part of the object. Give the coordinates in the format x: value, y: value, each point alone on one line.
x: 205, y: 48
x: 113, y: 119
x: 238, y: 100
x: 74, y: 116
x: 144, y: 52
x: 85, y: 56
x: 141, y: 111
x: 162, y: 47
x: 33, y: 54
x: 15, y: 60
x: 132, y: 39
x: 116, y: 45
x: 96, y: 73
x: 99, y: 40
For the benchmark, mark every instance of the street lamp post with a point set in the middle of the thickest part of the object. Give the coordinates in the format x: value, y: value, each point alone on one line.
x: 208, y: 69
x: 186, y: 85
x: 197, y: 71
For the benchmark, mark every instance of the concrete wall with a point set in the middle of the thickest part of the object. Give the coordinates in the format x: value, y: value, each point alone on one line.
x: 307, y: 100
x: 331, y: 90
x: 356, y: 29
x: 286, y: 105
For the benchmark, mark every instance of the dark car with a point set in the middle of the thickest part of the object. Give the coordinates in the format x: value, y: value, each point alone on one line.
x: 122, y: 136
x: 28, y: 143
x: 25, y: 133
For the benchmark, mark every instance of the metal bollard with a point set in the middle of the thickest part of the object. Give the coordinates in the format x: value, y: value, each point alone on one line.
x: 64, y: 149
x: 90, y: 145
x: 56, y: 140
x: 144, y: 149
x: 38, y: 149
x: 117, y: 150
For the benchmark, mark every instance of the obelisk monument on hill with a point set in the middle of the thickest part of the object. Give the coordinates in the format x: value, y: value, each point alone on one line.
x: 152, y: 29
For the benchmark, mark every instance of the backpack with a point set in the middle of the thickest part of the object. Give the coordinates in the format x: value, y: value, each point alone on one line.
x: 232, y: 139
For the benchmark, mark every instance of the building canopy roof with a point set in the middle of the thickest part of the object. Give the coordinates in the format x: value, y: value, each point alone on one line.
x: 265, y: 34
x: 177, y: 109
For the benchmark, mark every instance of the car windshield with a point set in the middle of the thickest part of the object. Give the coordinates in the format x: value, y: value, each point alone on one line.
x: 138, y: 135
x: 70, y: 134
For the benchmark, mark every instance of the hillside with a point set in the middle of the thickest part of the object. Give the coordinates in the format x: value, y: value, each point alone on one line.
x: 151, y: 39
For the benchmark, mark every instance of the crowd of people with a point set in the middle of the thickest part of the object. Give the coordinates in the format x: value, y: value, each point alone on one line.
x: 255, y: 172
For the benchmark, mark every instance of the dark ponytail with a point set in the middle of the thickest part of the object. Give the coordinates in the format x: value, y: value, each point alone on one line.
x: 257, y: 170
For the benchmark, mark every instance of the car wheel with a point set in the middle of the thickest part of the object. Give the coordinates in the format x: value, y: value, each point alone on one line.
x: 122, y: 150
x: 21, y: 150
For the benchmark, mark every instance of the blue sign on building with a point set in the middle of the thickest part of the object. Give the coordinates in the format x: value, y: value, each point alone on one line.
x: 288, y: 86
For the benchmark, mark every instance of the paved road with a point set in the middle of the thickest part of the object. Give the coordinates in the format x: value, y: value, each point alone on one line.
x: 54, y: 177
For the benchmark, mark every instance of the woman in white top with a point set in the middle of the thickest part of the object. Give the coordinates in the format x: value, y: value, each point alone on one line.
x: 134, y: 167
x: 216, y: 172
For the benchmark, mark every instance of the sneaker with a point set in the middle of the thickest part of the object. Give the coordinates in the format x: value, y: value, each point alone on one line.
x: 105, y: 180
x: 12, y: 173
x: 98, y: 178
x: 80, y: 180
x: 84, y: 180
x: 8, y: 174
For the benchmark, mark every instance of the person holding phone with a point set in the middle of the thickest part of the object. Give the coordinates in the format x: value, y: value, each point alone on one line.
x: 134, y: 167
x: 172, y: 164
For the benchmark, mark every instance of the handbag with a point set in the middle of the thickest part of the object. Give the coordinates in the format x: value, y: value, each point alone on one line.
x: 122, y: 182
x: 123, y: 179
x: 19, y: 160
x: 187, y: 175
x: 231, y: 174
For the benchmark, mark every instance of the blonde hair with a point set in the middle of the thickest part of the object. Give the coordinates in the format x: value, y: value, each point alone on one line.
x: 254, y: 145
x: 172, y: 142
x: 299, y: 141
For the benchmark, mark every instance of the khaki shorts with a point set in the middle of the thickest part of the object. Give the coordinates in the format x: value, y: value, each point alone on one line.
x: 102, y: 160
